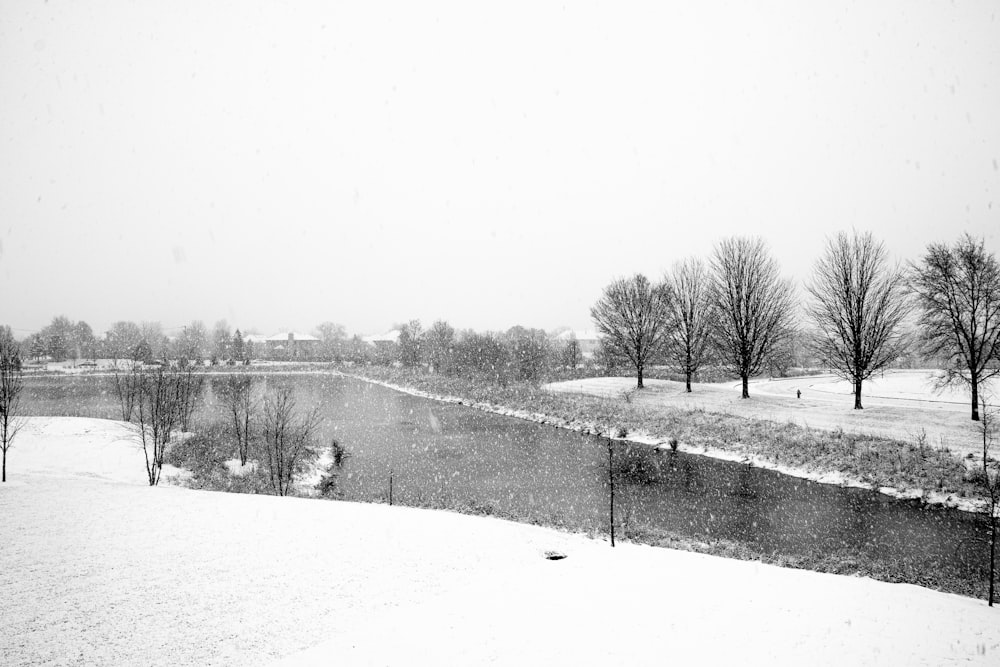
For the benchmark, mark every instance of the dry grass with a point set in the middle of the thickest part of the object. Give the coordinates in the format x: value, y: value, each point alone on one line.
x: 876, y: 460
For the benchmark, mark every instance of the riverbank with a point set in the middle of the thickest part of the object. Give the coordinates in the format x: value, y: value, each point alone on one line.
x: 901, y: 469
x: 106, y: 570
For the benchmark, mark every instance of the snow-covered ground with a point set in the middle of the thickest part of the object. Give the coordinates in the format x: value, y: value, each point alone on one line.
x: 902, y: 405
x: 100, y: 569
x: 80, y: 447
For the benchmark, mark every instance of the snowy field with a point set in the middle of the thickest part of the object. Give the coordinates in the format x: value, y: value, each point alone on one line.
x: 902, y: 405
x: 100, y: 569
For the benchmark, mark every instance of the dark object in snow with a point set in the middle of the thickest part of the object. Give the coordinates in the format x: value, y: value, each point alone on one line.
x: 554, y: 555
x: 798, y: 393
x: 339, y: 452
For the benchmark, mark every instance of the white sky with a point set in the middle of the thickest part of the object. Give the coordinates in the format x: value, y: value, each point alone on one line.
x: 279, y: 164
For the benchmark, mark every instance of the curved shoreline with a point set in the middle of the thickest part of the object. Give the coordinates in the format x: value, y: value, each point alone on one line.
x: 931, y: 498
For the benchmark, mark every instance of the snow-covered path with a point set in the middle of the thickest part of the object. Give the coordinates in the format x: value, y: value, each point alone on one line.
x: 96, y: 571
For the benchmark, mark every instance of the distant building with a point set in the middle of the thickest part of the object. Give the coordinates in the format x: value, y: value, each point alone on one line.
x: 386, y: 347
x: 284, y: 345
x: 256, y: 339
x: 386, y: 339
x: 588, y: 341
x: 293, y: 345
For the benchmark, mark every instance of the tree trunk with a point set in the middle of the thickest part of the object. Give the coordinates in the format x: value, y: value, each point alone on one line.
x: 975, y: 398
x: 638, y: 368
x: 4, y: 478
x: 993, y: 546
x: 611, y: 484
x: 857, y: 395
x: 746, y: 387
x: 687, y: 382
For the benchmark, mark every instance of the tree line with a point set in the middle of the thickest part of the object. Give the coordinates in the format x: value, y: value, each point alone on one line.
x: 62, y: 339
x: 737, y: 311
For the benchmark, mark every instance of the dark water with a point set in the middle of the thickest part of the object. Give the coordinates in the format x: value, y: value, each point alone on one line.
x: 446, y: 455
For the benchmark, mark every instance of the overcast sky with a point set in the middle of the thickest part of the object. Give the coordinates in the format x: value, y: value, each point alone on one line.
x: 280, y: 164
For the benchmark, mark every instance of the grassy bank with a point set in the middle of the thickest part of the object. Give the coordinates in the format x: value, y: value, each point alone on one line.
x: 878, y: 461
x: 914, y: 467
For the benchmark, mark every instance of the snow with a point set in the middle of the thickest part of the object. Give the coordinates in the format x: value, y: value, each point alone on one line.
x: 237, y: 469
x: 900, y: 406
x: 101, y: 569
x: 79, y: 447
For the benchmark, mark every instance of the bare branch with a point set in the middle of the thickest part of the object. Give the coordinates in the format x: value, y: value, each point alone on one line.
x: 11, y: 385
x: 858, y: 306
x: 753, y: 305
x: 687, y: 336
x: 631, y: 316
x: 958, y: 289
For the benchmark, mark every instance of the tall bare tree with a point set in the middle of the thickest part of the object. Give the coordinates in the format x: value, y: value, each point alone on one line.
x: 858, y: 304
x: 287, y: 438
x: 631, y: 317
x: 752, y: 303
x: 236, y: 393
x: 958, y: 289
x: 687, y: 337
x: 11, y: 384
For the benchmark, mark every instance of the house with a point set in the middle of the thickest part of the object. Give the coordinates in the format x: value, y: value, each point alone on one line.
x: 387, y: 339
x: 293, y: 345
x: 385, y: 345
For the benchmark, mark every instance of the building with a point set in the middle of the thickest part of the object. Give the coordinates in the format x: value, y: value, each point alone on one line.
x: 283, y: 345
x: 588, y: 341
x: 387, y: 339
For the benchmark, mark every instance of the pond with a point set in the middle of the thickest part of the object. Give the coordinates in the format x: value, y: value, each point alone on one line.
x: 452, y: 456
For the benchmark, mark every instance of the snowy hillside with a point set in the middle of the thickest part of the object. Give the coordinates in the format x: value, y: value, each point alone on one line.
x: 97, y: 571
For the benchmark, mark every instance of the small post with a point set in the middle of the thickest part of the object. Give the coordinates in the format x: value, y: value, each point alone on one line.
x: 611, y: 484
x: 390, y: 487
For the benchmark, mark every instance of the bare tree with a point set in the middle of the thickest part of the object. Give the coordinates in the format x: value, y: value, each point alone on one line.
x: 287, y: 438
x: 752, y: 303
x: 691, y: 316
x: 859, y: 304
x: 189, y: 382
x: 631, y: 317
x: 122, y: 339
x: 440, y: 339
x: 11, y: 384
x: 991, y: 483
x: 958, y: 289
x: 236, y: 393
x: 411, y: 344
x: 157, y: 412
x: 332, y: 337
x: 571, y: 352
x: 125, y: 383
